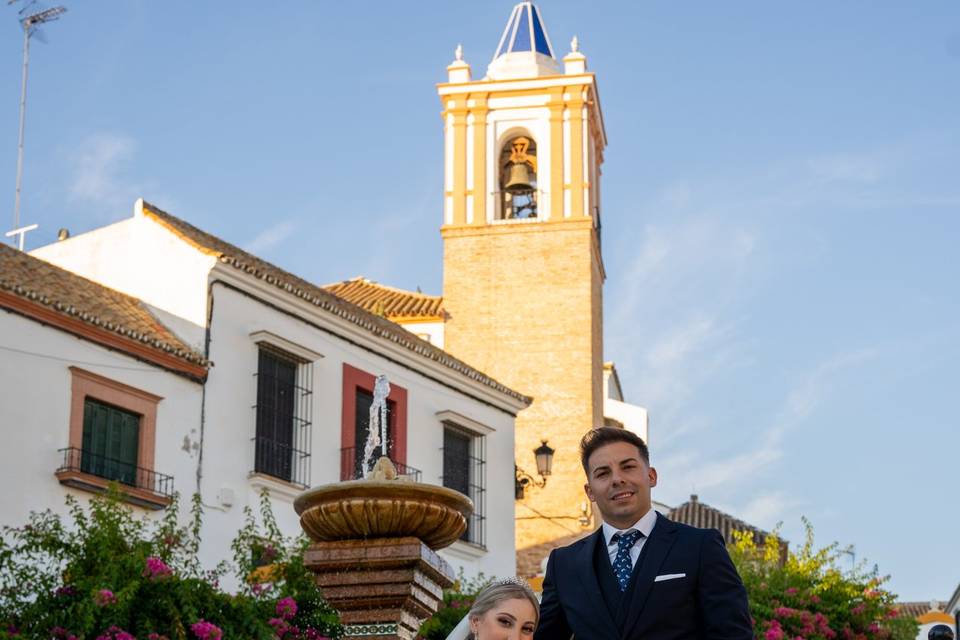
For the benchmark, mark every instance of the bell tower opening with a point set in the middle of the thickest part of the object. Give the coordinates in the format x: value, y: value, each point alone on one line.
x: 518, y: 179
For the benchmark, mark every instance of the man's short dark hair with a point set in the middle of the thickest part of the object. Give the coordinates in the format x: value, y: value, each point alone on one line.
x: 601, y: 436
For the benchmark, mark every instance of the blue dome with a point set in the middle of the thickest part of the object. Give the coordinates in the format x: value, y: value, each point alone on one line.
x: 524, y: 33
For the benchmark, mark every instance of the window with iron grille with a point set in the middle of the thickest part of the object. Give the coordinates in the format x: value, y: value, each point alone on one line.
x: 284, y: 393
x: 464, y: 470
x: 111, y: 441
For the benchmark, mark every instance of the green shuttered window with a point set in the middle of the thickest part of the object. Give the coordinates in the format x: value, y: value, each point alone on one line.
x: 111, y: 441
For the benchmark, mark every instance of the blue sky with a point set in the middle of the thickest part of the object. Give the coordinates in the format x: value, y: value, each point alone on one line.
x: 781, y: 208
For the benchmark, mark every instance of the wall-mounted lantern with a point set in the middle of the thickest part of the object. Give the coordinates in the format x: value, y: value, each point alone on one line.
x: 522, y: 479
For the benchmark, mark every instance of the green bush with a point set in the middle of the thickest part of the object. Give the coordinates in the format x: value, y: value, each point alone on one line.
x: 807, y: 597
x: 106, y: 575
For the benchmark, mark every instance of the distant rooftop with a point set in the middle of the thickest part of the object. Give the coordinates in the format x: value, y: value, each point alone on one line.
x: 391, y: 303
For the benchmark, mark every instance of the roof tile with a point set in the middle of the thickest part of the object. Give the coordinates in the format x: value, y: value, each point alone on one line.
x: 70, y: 295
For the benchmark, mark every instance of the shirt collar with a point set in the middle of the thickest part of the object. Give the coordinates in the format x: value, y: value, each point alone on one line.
x: 644, y: 525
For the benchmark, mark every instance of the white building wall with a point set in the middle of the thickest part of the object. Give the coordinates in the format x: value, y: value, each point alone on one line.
x: 231, y: 425
x: 35, y: 394
x: 630, y: 416
x: 429, y: 331
x: 142, y: 259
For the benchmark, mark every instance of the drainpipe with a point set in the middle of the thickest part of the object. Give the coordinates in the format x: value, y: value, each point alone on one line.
x: 203, y: 394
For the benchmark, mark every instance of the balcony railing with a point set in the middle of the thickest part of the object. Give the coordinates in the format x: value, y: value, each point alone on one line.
x: 351, y: 466
x: 79, y: 461
x: 282, y: 460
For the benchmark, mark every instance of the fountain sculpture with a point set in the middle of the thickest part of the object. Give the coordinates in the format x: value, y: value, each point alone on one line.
x: 375, y: 541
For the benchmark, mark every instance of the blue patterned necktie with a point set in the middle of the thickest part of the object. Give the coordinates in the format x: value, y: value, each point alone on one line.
x: 622, y: 567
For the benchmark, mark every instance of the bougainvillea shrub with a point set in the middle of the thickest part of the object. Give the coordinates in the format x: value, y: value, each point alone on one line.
x: 101, y: 573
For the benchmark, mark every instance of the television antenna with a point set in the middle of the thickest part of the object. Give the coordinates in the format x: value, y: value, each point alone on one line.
x: 32, y: 15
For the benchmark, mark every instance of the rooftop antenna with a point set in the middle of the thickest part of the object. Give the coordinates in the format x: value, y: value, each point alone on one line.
x: 32, y: 16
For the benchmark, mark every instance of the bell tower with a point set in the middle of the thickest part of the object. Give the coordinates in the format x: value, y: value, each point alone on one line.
x: 523, y: 271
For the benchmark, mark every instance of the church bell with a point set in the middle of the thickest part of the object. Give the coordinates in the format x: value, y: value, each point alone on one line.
x: 518, y: 180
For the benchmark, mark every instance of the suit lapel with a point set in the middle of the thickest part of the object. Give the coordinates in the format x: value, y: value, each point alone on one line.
x: 654, y: 552
x: 591, y: 585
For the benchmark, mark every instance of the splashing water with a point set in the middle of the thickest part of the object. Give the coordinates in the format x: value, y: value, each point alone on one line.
x: 377, y: 433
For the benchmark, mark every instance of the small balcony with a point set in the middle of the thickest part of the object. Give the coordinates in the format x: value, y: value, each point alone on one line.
x: 351, y: 466
x: 88, y: 471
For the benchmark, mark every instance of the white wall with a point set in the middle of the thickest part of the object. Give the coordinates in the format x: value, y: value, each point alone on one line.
x: 231, y: 424
x: 142, y: 259
x: 432, y: 332
x: 35, y: 393
x: 630, y: 416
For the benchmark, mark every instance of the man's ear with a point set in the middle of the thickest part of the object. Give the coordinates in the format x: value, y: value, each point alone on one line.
x: 587, y: 490
x: 652, y: 475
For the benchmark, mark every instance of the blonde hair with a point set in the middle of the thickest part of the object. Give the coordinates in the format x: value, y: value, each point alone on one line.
x: 505, y: 589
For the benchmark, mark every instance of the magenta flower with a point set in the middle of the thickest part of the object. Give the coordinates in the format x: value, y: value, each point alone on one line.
x: 116, y: 633
x: 206, y: 630
x: 104, y: 597
x: 287, y: 608
x: 156, y: 568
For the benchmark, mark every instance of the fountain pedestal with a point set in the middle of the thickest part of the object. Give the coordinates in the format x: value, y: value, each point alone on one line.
x: 374, y: 550
x: 383, y: 587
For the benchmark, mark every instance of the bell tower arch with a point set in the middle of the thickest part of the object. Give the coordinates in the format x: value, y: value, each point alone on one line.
x: 523, y: 270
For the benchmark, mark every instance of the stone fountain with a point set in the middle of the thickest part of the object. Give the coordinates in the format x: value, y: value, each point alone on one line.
x: 375, y: 542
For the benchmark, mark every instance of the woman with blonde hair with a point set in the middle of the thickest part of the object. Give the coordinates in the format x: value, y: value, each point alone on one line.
x: 506, y: 609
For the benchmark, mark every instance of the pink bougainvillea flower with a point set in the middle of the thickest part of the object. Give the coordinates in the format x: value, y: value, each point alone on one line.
x: 156, y: 568
x: 104, y: 597
x: 206, y: 630
x: 287, y: 608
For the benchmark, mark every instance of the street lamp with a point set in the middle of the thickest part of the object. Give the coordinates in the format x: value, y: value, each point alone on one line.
x: 544, y: 457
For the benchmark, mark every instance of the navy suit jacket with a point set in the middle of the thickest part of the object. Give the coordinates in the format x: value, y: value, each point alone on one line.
x: 708, y: 602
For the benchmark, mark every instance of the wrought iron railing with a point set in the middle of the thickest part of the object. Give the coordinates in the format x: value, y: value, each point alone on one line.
x: 351, y: 466
x: 281, y: 460
x: 75, y: 459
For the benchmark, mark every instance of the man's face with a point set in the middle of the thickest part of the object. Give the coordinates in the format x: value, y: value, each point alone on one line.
x: 619, y: 481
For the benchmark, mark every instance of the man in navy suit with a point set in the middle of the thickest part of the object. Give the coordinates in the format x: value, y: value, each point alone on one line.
x: 640, y: 575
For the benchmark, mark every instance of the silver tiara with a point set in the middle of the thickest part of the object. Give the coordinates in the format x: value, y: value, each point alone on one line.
x: 520, y: 582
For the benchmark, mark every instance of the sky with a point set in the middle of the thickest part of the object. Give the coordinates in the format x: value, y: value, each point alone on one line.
x: 781, y: 211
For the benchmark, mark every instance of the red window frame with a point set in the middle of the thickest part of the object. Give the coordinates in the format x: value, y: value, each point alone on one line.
x: 353, y: 379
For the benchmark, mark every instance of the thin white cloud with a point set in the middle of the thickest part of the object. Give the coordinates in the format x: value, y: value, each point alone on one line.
x: 703, y: 470
x: 271, y: 236
x: 767, y: 509
x: 98, y: 167
x: 849, y: 167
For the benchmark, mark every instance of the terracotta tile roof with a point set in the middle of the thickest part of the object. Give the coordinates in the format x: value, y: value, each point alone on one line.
x: 71, y: 297
x: 320, y: 297
x: 698, y: 514
x: 912, y: 609
x: 391, y: 303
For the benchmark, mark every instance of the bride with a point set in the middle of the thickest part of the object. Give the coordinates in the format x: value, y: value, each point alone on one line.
x: 505, y: 610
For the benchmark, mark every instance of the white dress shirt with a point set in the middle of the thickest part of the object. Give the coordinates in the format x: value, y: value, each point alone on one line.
x: 644, y: 525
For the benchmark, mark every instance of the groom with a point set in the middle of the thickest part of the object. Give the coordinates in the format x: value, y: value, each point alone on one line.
x: 640, y: 575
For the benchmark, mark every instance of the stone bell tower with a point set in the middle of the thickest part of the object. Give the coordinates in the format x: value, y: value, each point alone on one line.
x: 523, y: 272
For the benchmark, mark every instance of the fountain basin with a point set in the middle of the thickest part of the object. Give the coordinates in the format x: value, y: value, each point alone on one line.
x: 364, y: 509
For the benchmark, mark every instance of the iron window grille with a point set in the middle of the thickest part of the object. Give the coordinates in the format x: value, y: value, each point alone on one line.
x: 283, y: 412
x: 465, y: 470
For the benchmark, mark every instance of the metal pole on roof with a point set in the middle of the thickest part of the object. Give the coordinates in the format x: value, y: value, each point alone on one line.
x: 30, y: 21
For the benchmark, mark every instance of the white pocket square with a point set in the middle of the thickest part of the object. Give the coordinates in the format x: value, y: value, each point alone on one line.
x: 669, y: 576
